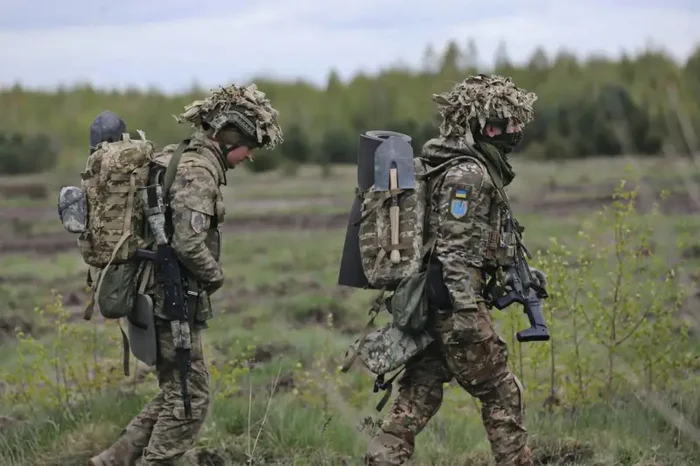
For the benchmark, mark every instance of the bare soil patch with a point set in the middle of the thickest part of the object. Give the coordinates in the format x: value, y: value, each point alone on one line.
x: 53, y: 243
x: 31, y: 190
x: 17, y: 239
x: 675, y: 204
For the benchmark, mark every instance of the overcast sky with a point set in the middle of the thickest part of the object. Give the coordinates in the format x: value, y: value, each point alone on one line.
x: 172, y: 43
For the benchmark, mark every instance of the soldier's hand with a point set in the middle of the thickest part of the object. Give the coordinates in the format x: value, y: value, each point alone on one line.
x: 539, y: 278
x: 211, y: 287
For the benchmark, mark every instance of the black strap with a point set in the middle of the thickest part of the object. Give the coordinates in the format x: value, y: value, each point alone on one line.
x: 380, y: 384
x: 126, y: 351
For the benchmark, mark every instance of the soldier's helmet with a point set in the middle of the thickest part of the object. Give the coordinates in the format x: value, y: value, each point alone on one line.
x: 107, y: 127
x: 482, y: 99
x: 244, y: 107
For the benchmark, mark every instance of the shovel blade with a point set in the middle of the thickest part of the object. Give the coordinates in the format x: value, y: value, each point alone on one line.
x: 395, y: 153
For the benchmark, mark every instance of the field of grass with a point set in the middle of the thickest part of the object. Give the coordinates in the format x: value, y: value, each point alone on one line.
x: 593, y: 396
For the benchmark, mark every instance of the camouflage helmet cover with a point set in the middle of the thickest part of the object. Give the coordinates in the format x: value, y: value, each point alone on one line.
x: 245, y: 107
x: 480, y: 98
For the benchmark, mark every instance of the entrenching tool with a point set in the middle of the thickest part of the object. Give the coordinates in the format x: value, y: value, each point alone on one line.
x: 350, y: 272
x: 393, y: 170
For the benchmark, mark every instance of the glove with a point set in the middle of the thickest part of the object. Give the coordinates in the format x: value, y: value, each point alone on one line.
x: 211, y: 287
x: 538, y: 278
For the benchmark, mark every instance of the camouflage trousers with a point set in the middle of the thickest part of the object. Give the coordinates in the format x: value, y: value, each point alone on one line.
x: 161, y: 428
x: 468, y: 349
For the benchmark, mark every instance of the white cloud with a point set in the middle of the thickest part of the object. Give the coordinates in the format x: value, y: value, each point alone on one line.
x: 306, y: 38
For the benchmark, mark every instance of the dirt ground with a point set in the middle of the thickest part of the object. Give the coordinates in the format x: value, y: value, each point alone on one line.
x: 15, y: 240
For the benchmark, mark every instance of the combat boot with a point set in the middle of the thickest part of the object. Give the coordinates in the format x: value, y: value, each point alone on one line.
x: 123, y: 452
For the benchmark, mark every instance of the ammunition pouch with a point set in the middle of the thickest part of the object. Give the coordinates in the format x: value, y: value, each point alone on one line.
x: 409, y: 305
x: 116, y: 287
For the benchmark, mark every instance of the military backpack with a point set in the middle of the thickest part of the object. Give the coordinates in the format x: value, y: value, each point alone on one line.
x: 115, y: 226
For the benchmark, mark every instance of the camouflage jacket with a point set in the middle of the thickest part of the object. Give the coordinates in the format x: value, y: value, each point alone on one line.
x: 467, y: 221
x: 197, y: 210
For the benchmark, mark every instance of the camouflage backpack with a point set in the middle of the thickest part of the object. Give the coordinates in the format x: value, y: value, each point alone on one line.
x: 115, y: 226
x: 375, y: 232
x: 375, y: 228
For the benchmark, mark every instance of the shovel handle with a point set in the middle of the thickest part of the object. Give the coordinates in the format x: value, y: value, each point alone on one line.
x: 394, y: 217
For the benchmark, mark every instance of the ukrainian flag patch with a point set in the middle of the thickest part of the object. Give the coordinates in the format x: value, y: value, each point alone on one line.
x: 459, y: 205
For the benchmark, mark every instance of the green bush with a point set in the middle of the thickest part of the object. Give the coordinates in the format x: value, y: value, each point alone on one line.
x: 23, y: 154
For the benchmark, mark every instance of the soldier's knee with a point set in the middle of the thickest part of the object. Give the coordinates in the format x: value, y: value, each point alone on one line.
x: 510, y: 390
x: 482, y: 364
x: 388, y: 449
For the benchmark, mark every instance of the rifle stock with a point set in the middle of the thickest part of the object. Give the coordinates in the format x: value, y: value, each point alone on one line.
x: 532, y: 306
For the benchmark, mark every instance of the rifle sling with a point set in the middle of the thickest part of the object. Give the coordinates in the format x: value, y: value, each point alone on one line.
x: 192, y: 290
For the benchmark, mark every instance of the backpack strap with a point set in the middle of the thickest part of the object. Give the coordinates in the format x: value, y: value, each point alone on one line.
x: 381, y: 384
x: 171, y: 171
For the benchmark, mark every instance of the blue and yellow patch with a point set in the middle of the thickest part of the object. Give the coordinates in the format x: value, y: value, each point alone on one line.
x: 461, y: 193
x: 459, y: 205
x: 458, y: 208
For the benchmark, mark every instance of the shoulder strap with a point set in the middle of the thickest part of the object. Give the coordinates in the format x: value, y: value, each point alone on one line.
x: 172, y: 166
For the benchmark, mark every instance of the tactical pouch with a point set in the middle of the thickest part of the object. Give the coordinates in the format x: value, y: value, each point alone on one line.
x: 73, y: 209
x: 117, y: 289
x: 388, y: 348
x: 409, y: 304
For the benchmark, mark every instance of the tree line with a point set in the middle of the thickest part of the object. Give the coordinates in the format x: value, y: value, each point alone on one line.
x: 587, y: 107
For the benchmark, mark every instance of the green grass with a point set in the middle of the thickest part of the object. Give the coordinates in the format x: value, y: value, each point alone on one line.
x: 298, y: 432
x: 286, y: 293
x: 273, y: 309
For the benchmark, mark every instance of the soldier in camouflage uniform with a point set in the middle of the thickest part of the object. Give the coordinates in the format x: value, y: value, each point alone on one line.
x: 229, y: 124
x: 482, y: 118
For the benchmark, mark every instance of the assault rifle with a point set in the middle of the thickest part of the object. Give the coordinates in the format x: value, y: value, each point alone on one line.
x: 522, y: 290
x: 168, y: 270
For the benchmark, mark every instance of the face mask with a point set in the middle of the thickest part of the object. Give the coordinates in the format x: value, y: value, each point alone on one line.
x: 505, y: 142
x: 511, y: 139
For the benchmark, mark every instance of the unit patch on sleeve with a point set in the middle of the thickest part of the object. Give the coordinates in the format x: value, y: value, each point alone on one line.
x: 459, y: 202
